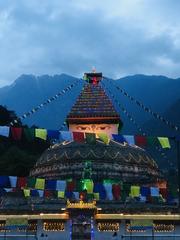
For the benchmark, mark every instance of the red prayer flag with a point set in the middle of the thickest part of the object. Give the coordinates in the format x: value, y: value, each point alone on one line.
x: 163, y: 192
x: 78, y: 136
x: 21, y: 182
x: 16, y: 133
x: 70, y: 186
x: 48, y: 193
x: 140, y: 140
x: 116, y: 190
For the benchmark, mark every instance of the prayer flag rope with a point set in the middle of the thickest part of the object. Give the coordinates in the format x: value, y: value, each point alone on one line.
x: 146, y: 109
x: 49, y: 100
x: 29, y: 134
x: 131, y: 119
x: 84, y: 188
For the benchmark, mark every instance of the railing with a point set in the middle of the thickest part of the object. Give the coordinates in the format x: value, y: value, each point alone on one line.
x: 18, y: 237
x: 148, y: 237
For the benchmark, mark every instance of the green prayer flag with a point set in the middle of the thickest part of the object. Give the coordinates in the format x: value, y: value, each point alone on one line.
x: 90, y: 196
x: 29, y: 134
x: 96, y: 196
x: 90, y: 138
x: 104, y: 137
x: 31, y: 182
x: 152, y: 141
x: 164, y: 141
x: 79, y: 186
x: 88, y: 185
x: 41, y: 133
x: 61, y: 194
x: 112, y: 181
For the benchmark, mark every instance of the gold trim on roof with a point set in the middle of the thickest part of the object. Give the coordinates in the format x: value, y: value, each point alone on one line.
x: 81, y: 205
x: 137, y: 216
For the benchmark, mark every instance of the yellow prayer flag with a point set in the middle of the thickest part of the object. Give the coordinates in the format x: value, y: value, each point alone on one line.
x: 135, y: 191
x: 88, y: 185
x: 164, y: 141
x: 26, y: 192
x: 96, y: 196
x: 60, y: 194
x: 104, y: 137
x: 41, y: 133
x: 40, y: 183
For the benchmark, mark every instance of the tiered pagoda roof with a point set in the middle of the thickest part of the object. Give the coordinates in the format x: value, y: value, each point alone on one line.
x: 93, y: 106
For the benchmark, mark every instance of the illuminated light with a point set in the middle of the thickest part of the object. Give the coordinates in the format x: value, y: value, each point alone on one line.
x: 41, y: 214
x: 81, y: 205
x: 63, y: 209
x: 99, y: 209
x: 54, y: 226
x: 108, y: 227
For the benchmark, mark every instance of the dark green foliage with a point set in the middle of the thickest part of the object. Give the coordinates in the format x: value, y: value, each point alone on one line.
x: 17, y: 157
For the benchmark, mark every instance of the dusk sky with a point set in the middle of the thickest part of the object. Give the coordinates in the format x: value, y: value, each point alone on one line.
x: 118, y: 37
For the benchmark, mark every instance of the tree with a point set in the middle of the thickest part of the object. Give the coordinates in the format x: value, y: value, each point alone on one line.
x: 17, y: 157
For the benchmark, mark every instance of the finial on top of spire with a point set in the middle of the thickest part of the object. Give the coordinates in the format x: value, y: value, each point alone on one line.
x: 93, y: 77
x: 93, y: 69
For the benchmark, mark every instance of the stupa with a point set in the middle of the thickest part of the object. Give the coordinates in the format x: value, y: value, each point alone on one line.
x: 94, y: 112
x: 95, y: 214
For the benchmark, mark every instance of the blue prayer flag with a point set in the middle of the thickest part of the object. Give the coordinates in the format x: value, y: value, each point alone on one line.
x: 118, y: 138
x: 53, y: 134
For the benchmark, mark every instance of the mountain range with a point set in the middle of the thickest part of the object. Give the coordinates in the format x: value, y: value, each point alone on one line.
x: 159, y: 93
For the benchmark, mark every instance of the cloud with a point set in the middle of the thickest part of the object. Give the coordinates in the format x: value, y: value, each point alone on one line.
x: 119, y: 37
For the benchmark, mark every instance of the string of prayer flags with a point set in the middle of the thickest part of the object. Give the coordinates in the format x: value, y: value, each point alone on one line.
x: 41, y: 133
x: 90, y: 138
x: 108, y: 189
x: 164, y: 142
x: 147, y: 109
x: 104, y: 137
x: 49, y: 100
